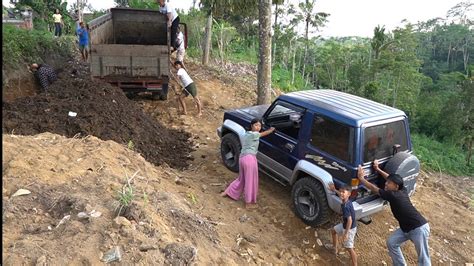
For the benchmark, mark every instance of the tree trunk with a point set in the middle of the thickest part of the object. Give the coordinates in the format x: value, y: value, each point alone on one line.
x: 465, y: 57
x: 264, y: 78
x: 274, y: 34
x: 293, y: 66
x: 306, y: 45
x: 207, y: 39
x: 469, y: 151
x: 449, y: 54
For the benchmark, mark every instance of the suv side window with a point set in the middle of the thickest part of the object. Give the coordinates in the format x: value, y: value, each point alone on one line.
x: 286, y: 118
x: 333, y: 138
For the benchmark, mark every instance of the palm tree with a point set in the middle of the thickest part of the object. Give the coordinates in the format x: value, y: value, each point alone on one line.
x: 312, y: 19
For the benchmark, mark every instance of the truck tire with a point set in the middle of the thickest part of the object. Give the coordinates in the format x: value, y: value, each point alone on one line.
x: 310, y: 202
x: 230, y: 151
x: 164, y: 92
x: 131, y: 95
x: 405, y: 165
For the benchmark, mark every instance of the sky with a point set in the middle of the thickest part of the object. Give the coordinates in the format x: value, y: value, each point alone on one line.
x: 353, y: 17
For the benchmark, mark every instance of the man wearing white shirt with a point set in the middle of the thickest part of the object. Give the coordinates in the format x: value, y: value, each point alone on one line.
x: 189, y: 88
x: 173, y: 20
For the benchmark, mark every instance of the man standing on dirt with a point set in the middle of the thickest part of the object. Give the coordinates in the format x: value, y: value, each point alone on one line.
x: 83, y: 34
x: 44, y: 74
x: 413, y: 226
x: 58, y: 23
x: 173, y: 21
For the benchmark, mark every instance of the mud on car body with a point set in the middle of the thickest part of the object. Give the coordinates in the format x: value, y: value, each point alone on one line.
x: 321, y: 137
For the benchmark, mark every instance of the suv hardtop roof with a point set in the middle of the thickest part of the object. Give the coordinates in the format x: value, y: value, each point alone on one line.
x: 340, y: 106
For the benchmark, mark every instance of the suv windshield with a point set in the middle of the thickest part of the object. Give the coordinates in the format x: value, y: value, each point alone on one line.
x: 379, y: 140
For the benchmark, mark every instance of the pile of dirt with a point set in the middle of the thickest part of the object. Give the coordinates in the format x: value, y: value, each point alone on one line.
x: 103, y: 111
x: 70, y: 214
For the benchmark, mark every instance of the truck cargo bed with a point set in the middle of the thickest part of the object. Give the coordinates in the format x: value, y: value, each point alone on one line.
x: 129, y: 48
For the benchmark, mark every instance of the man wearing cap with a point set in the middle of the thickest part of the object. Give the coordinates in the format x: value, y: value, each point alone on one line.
x: 413, y: 226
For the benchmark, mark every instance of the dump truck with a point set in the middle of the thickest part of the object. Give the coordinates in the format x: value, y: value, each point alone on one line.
x: 130, y: 48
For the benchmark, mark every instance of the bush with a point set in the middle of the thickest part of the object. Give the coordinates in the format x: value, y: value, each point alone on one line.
x: 281, y: 78
x: 443, y: 157
x: 25, y: 46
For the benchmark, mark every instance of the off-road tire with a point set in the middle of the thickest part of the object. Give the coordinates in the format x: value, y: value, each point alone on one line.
x: 316, y: 196
x: 231, y: 143
x: 131, y: 95
x: 163, y: 97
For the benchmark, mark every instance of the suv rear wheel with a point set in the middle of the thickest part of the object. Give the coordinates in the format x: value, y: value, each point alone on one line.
x: 310, y: 202
x: 230, y: 151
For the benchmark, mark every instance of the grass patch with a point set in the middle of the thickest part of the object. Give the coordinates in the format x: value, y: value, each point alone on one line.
x: 22, y: 46
x: 442, y: 157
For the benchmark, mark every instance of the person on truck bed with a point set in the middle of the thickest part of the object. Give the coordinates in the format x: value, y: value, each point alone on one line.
x: 173, y: 21
x: 180, y: 43
x: 189, y: 88
x: 413, y: 226
x: 247, y: 182
x: 44, y: 74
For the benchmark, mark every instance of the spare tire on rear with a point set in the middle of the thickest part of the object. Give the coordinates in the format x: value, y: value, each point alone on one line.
x: 407, y: 166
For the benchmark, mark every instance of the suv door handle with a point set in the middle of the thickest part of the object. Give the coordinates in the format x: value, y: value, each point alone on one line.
x: 289, y: 146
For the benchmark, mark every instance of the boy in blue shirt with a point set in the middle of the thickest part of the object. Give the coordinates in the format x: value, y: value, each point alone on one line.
x: 348, y: 227
x: 83, y: 40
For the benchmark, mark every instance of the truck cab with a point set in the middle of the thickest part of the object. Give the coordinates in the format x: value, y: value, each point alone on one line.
x: 321, y: 137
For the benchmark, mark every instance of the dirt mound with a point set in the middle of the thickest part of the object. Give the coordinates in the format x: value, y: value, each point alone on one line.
x: 103, y: 111
x: 59, y: 222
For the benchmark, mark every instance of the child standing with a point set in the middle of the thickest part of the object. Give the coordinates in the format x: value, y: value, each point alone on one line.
x: 247, y: 181
x: 348, y: 227
x: 189, y: 88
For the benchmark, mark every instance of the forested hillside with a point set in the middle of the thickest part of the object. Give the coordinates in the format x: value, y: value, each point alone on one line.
x: 423, y: 68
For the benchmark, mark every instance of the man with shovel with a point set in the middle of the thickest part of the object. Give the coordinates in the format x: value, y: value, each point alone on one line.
x: 189, y: 88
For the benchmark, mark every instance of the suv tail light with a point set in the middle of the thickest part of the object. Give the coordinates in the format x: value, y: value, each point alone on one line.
x: 355, y: 186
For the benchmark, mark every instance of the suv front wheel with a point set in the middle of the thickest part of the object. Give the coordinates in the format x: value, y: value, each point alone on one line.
x: 310, y: 202
x: 230, y: 151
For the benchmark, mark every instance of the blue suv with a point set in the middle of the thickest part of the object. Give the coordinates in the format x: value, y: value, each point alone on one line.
x: 321, y: 137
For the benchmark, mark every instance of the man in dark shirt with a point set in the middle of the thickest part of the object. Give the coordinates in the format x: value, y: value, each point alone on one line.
x: 413, y: 226
x: 44, y: 74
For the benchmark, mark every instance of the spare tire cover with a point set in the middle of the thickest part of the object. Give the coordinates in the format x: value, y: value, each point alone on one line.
x: 407, y: 166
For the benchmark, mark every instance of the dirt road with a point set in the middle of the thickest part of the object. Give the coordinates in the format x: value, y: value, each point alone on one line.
x: 275, y: 224
x: 180, y: 216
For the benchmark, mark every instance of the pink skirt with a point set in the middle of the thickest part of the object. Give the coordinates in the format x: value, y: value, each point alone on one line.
x: 247, y: 182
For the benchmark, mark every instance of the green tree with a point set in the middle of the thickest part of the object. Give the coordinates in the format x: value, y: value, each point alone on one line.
x: 264, y: 77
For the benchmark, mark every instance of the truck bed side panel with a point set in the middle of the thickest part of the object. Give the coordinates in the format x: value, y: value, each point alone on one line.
x: 129, y: 60
x: 101, y: 30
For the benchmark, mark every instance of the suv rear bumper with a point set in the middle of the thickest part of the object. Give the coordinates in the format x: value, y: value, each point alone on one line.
x: 219, y: 132
x: 361, y: 210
